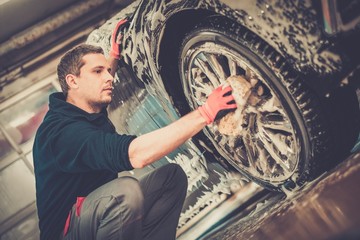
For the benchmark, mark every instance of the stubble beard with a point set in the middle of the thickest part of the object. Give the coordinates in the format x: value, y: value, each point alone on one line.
x: 102, y: 103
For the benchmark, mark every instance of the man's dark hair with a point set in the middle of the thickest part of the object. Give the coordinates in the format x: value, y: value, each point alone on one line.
x: 72, y: 61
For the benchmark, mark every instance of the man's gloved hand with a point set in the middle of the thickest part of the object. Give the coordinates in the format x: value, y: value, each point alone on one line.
x: 116, y: 40
x: 220, y: 99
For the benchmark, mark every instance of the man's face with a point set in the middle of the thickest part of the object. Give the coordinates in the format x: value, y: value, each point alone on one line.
x: 95, y: 81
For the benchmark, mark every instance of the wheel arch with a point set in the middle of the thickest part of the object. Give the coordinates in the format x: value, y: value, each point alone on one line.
x: 175, y: 30
x: 322, y: 71
x: 172, y: 37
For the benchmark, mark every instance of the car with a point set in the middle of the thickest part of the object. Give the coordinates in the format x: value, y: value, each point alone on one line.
x: 295, y: 78
x: 292, y: 66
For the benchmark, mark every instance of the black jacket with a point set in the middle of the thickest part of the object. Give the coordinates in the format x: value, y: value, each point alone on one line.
x: 74, y: 153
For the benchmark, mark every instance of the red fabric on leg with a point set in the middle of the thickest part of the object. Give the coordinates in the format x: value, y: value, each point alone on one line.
x: 67, y: 224
x: 79, y: 202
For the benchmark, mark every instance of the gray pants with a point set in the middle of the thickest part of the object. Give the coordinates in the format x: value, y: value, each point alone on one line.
x: 126, y: 208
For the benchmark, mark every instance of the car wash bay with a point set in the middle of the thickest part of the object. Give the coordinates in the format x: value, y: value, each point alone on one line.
x: 325, y: 208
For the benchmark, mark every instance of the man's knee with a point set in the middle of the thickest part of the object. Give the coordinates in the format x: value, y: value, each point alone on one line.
x: 129, y: 196
x: 124, y: 211
x: 119, y: 201
x: 178, y: 175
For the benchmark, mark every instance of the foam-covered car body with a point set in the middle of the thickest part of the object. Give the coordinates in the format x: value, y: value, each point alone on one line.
x: 294, y: 54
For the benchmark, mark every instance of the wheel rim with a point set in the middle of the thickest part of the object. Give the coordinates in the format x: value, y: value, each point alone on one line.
x: 266, y: 148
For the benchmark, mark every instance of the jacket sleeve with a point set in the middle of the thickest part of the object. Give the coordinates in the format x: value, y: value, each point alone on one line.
x: 88, y: 148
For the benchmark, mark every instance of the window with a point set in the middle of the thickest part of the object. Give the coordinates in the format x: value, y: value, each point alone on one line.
x: 17, y: 189
x: 20, y: 118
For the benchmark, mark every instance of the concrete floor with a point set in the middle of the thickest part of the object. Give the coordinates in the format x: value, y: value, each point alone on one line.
x: 326, y: 208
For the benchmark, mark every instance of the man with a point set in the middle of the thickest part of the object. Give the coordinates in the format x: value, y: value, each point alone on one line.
x: 77, y: 155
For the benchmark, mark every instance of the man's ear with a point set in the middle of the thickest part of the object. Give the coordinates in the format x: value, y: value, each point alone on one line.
x: 71, y: 80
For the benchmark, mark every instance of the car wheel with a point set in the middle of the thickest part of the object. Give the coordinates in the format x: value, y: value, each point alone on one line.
x: 278, y: 137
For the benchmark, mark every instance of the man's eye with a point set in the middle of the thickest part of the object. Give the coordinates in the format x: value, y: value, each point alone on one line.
x: 98, y: 71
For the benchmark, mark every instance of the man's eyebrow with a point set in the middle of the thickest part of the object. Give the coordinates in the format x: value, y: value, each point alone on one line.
x: 98, y: 66
x: 101, y: 67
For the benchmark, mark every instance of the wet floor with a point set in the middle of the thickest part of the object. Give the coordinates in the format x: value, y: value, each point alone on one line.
x: 327, y: 208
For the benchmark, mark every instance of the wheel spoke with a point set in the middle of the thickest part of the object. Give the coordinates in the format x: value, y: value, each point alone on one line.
x: 272, y: 144
x: 216, y: 67
x: 232, y: 66
x: 271, y: 105
x: 249, y: 74
x: 250, y: 151
x: 264, y: 164
x: 206, y: 70
x: 249, y: 143
x: 241, y: 154
x: 275, y: 121
x: 199, y: 89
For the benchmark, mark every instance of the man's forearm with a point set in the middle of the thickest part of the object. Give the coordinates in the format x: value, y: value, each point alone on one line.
x: 152, y: 146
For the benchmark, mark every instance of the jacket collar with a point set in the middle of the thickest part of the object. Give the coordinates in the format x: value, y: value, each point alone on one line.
x: 57, y: 103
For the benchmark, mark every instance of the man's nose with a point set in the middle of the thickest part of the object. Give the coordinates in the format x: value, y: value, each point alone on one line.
x: 109, y: 77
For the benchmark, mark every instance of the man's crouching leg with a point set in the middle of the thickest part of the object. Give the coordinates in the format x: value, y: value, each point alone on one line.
x: 113, y: 211
x: 164, y: 192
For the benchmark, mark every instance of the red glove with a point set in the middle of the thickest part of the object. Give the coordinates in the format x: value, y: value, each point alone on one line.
x: 115, y: 41
x: 220, y: 99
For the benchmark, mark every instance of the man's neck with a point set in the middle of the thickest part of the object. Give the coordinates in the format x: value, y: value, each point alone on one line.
x: 83, y: 105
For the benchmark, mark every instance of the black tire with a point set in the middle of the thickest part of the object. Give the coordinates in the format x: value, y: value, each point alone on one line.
x: 309, y: 129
